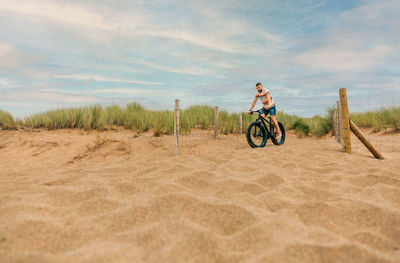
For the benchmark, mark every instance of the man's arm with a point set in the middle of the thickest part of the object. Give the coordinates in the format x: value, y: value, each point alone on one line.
x: 268, y: 100
x: 262, y: 94
x: 253, y: 104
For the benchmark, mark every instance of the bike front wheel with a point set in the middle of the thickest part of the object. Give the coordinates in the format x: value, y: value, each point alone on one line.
x: 256, y: 135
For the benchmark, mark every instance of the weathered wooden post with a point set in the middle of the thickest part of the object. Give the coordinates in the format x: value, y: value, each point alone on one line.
x: 345, y: 120
x: 176, y: 128
x: 240, y: 123
x: 364, y: 140
x: 216, y: 122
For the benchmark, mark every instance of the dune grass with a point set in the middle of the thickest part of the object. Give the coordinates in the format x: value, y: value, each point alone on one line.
x: 6, y: 120
x: 96, y: 117
x: 136, y: 117
x: 383, y: 119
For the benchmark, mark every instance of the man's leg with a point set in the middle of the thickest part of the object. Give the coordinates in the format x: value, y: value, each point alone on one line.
x: 275, y: 122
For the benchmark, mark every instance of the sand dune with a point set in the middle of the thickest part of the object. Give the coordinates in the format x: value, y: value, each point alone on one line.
x: 76, y: 196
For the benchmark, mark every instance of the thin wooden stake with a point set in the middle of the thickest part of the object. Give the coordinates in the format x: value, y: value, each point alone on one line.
x: 345, y: 120
x: 176, y: 128
x: 216, y: 122
x: 240, y: 123
x: 365, y: 141
x: 339, y: 123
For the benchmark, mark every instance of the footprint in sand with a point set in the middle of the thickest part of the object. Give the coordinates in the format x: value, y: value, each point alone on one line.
x: 227, y: 188
x: 125, y: 188
x: 372, y: 179
x: 390, y: 194
x: 97, y: 207
x: 69, y: 180
x: 376, y: 242
x: 194, y: 182
x: 275, y: 204
x: 317, y: 253
x: 70, y: 198
x: 270, y: 180
x: 36, y: 235
x: 195, y: 246
x: 197, y: 181
x: 218, y: 218
x: 349, y: 217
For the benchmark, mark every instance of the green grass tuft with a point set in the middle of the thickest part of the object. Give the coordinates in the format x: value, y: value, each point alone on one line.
x: 6, y: 120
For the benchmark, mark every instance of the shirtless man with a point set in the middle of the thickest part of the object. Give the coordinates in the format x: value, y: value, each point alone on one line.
x: 269, y: 106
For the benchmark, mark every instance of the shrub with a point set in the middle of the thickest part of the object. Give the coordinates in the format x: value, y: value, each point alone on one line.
x: 301, y: 127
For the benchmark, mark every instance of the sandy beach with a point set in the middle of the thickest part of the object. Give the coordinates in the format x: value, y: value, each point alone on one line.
x: 115, y: 196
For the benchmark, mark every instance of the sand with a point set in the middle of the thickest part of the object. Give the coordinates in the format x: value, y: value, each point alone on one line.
x: 76, y: 196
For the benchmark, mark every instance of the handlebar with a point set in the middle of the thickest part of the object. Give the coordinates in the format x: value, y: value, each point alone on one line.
x: 258, y: 111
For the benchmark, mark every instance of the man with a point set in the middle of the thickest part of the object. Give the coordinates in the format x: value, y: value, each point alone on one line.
x: 269, y: 106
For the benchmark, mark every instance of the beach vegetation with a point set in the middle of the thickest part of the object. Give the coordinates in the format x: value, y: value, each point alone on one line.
x: 134, y: 116
x: 383, y: 119
x: 6, y: 120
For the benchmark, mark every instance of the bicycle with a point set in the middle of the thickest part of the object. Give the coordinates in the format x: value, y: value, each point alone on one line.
x: 258, y: 132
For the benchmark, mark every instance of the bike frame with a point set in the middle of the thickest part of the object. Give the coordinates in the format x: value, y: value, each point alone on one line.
x: 263, y: 120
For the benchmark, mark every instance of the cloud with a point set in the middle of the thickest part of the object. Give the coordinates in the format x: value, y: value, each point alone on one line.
x: 336, y: 58
x: 361, y: 39
x: 144, y: 22
x: 124, y: 91
x: 48, y: 96
x: 66, y: 13
x: 12, y: 57
x: 105, y: 79
x: 203, y: 40
x: 154, y: 93
x: 7, y: 84
x: 190, y: 70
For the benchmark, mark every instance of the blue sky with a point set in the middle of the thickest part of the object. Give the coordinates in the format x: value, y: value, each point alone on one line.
x: 57, y: 53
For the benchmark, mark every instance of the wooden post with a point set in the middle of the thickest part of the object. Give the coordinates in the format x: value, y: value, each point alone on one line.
x: 345, y: 121
x: 176, y: 128
x: 339, y: 123
x: 216, y: 122
x: 365, y: 141
x: 240, y: 124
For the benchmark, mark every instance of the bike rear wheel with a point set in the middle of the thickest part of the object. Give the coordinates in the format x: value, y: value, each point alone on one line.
x: 282, y: 139
x: 256, y: 135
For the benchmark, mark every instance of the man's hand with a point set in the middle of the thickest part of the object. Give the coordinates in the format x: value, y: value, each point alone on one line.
x: 249, y: 112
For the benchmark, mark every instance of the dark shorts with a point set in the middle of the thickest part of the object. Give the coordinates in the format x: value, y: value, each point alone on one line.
x: 271, y: 110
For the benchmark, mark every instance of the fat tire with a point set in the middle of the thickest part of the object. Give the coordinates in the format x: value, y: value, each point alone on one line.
x: 249, y: 138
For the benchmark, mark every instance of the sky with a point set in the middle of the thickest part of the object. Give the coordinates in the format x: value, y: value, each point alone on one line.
x: 58, y: 53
